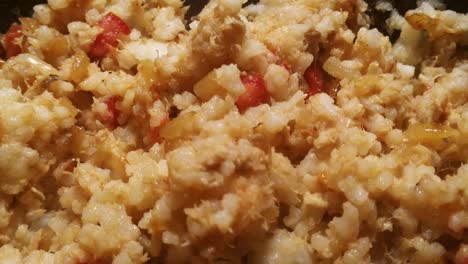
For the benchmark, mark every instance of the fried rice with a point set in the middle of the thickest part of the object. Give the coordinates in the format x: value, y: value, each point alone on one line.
x: 286, y: 131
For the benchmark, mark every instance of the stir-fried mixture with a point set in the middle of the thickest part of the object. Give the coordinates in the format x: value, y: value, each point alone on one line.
x: 286, y: 131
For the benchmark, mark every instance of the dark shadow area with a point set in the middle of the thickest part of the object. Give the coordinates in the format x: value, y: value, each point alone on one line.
x: 10, y: 10
x: 196, y: 7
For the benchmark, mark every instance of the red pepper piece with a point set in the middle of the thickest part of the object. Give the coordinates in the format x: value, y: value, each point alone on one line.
x: 113, y: 112
x: 113, y: 27
x: 255, y: 93
x: 13, y: 48
x: 314, y: 77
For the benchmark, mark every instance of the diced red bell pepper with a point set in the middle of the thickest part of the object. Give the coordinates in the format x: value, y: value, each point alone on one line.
x: 113, y: 27
x: 314, y: 77
x: 154, y: 131
x: 100, y: 47
x: 255, y: 93
x: 112, y: 112
x: 12, y: 37
x: 113, y: 23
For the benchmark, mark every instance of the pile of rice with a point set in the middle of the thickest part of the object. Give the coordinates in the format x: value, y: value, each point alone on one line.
x: 143, y: 156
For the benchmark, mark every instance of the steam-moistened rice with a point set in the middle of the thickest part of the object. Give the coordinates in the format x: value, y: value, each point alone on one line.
x: 282, y: 132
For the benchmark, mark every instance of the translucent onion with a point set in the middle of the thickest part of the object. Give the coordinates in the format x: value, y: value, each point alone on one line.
x: 80, y: 65
x: 179, y: 127
x: 29, y: 24
x: 431, y: 134
x: 421, y: 21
